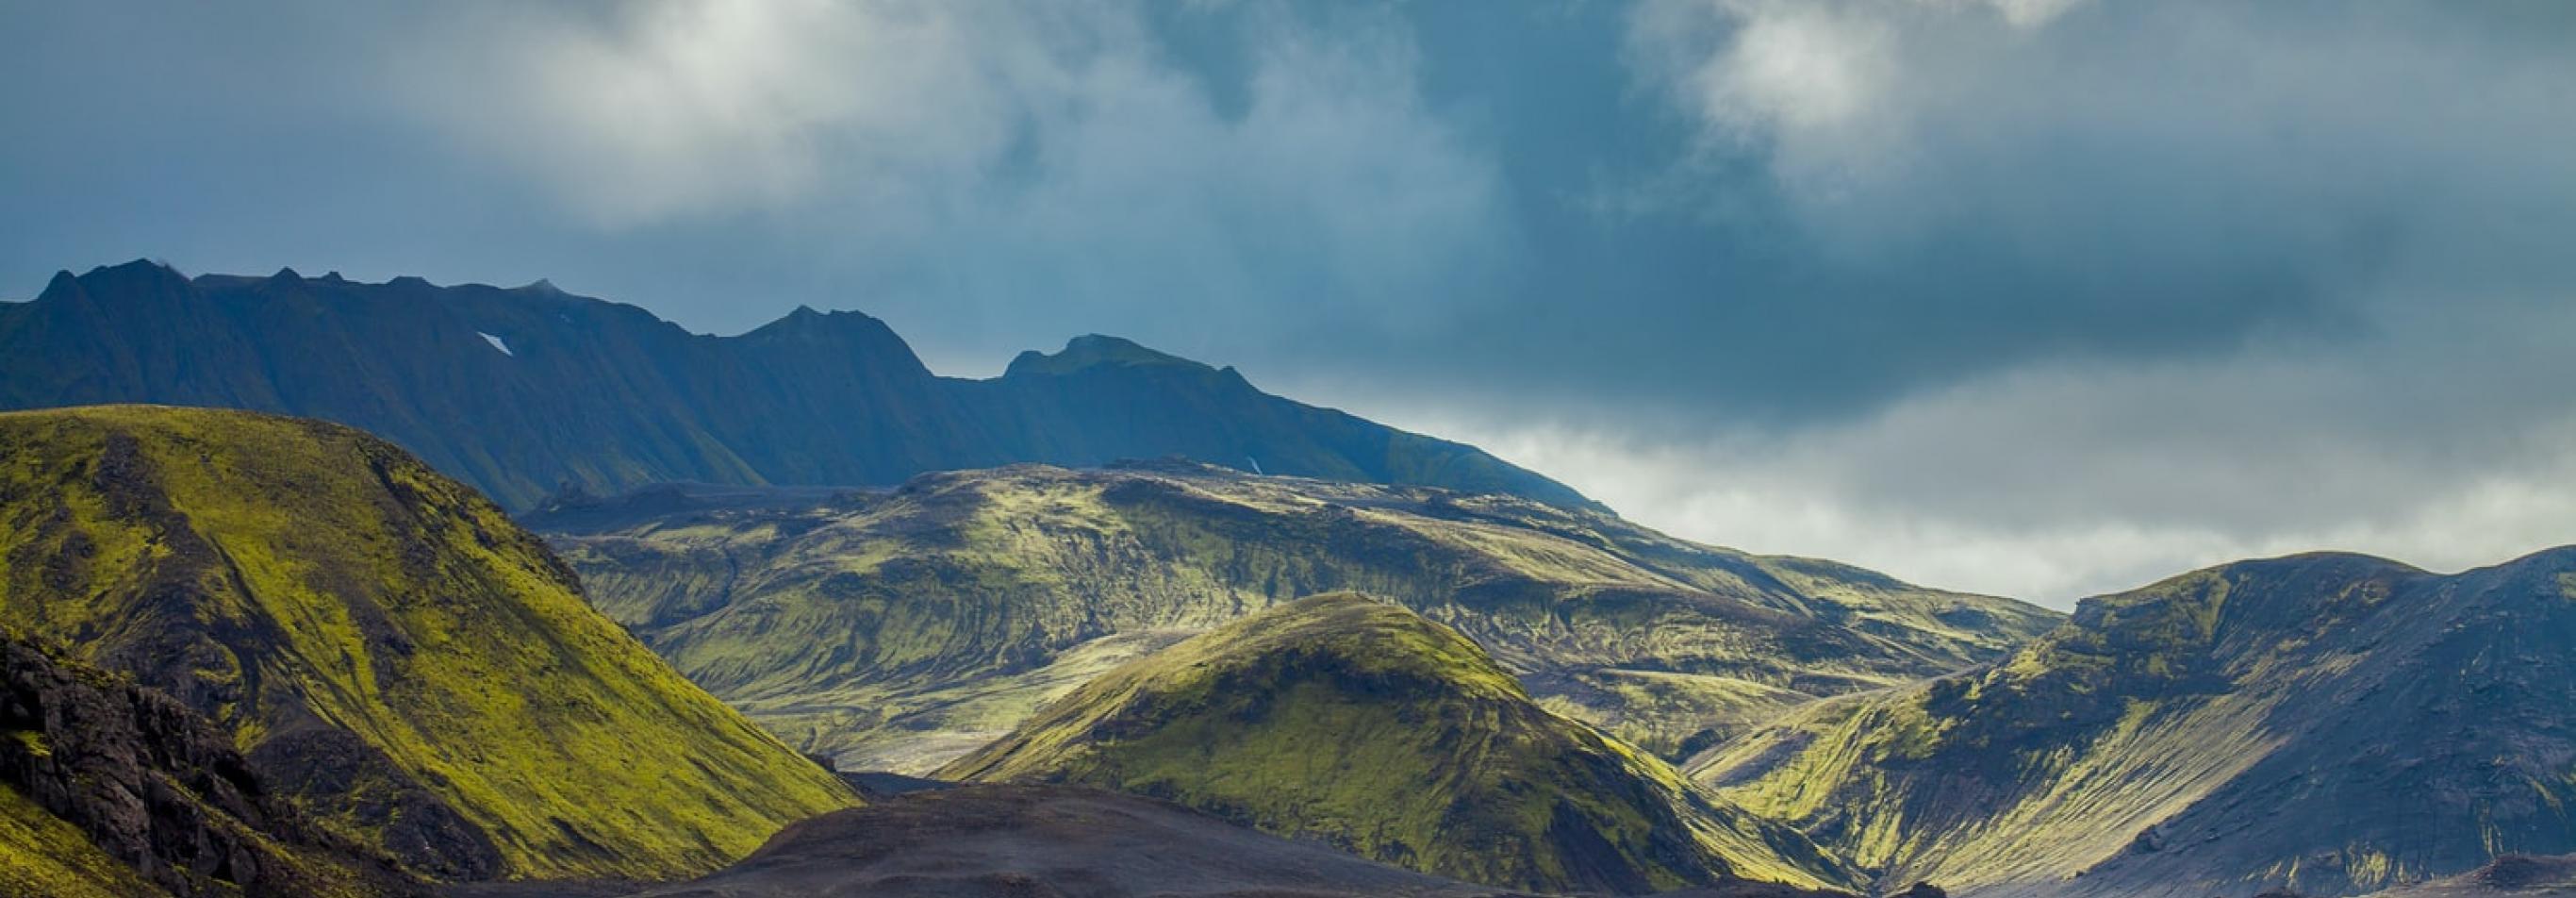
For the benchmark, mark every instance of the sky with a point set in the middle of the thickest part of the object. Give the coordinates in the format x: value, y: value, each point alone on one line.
x: 2043, y: 298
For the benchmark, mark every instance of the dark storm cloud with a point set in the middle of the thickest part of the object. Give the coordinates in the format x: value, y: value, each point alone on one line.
x: 2021, y: 294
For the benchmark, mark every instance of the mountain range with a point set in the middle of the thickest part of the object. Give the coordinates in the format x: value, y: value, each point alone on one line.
x: 1289, y: 652
x: 901, y: 628
x: 2324, y: 724
x: 523, y: 391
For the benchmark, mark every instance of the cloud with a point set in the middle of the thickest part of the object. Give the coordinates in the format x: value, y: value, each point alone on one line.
x: 1002, y: 160
x: 2057, y: 481
x: 644, y: 112
x: 2038, y: 296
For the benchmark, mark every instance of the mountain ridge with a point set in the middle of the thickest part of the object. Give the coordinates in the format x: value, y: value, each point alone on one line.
x: 895, y: 627
x: 2327, y: 723
x: 521, y: 391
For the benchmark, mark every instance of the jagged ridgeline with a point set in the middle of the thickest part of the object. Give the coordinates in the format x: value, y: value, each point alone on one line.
x: 519, y: 390
x: 1362, y: 724
x: 385, y: 646
x: 2328, y: 724
x: 901, y: 629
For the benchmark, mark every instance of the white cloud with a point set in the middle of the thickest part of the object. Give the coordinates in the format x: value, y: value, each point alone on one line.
x: 1834, y: 87
x: 2053, y: 481
x: 668, y: 108
x: 1010, y: 162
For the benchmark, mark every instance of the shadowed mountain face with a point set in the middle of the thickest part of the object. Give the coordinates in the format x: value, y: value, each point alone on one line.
x: 2328, y: 724
x: 520, y: 391
x: 2511, y: 876
x: 111, y: 790
x: 900, y: 629
x: 1361, y: 724
x: 386, y: 647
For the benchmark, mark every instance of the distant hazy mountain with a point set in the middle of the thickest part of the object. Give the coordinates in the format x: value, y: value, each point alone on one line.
x: 389, y: 650
x: 2328, y: 724
x: 1358, y: 723
x: 899, y: 629
x: 519, y: 391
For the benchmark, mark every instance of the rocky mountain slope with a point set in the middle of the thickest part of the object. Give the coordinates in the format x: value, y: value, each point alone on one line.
x: 2327, y: 724
x: 900, y: 629
x: 2511, y: 876
x: 385, y: 646
x: 1358, y: 723
x: 111, y: 790
x: 518, y: 391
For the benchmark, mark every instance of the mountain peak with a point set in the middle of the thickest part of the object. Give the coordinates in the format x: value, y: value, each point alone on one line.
x: 138, y: 280
x: 1095, y: 351
x: 138, y: 266
x: 807, y: 320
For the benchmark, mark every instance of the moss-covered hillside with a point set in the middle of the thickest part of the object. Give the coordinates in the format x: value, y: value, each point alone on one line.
x: 2327, y: 724
x: 384, y: 645
x: 111, y: 789
x: 1360, y: 723
x: 900, y: 629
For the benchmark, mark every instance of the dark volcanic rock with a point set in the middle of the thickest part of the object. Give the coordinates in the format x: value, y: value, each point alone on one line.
x: 160, y: 788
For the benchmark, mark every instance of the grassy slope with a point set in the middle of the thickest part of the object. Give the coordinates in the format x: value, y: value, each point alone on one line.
x: 286, y: 576
x: 1358, y: 722
x: 890, y: 629
x: 2332, y: 724
x: 114, y: 788
x: 42, y: 855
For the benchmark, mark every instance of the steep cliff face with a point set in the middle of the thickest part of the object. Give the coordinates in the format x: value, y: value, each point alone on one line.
x: 1356, y: 722
x: 2328, y: 724
x: 385, y: 646
x: 902, y: 628
x: 520, y: 391
x: 108, y: 788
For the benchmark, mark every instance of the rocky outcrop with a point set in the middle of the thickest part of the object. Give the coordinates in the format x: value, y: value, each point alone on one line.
x: 161, y: 789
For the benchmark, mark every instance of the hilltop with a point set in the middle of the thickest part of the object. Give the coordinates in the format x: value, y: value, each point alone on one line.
x: 388, y: 650
x: 1361, y: 724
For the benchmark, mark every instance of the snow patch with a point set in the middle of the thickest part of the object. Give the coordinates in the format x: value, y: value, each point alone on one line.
x: 497, y: 344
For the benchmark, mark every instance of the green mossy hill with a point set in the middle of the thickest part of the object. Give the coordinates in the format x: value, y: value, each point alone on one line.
x: 1357, y: 722
x: 899, y: 629
x: 111, y: 789
x: 383, y: 644
x: 2325, y: 724
x: 41, y: 854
